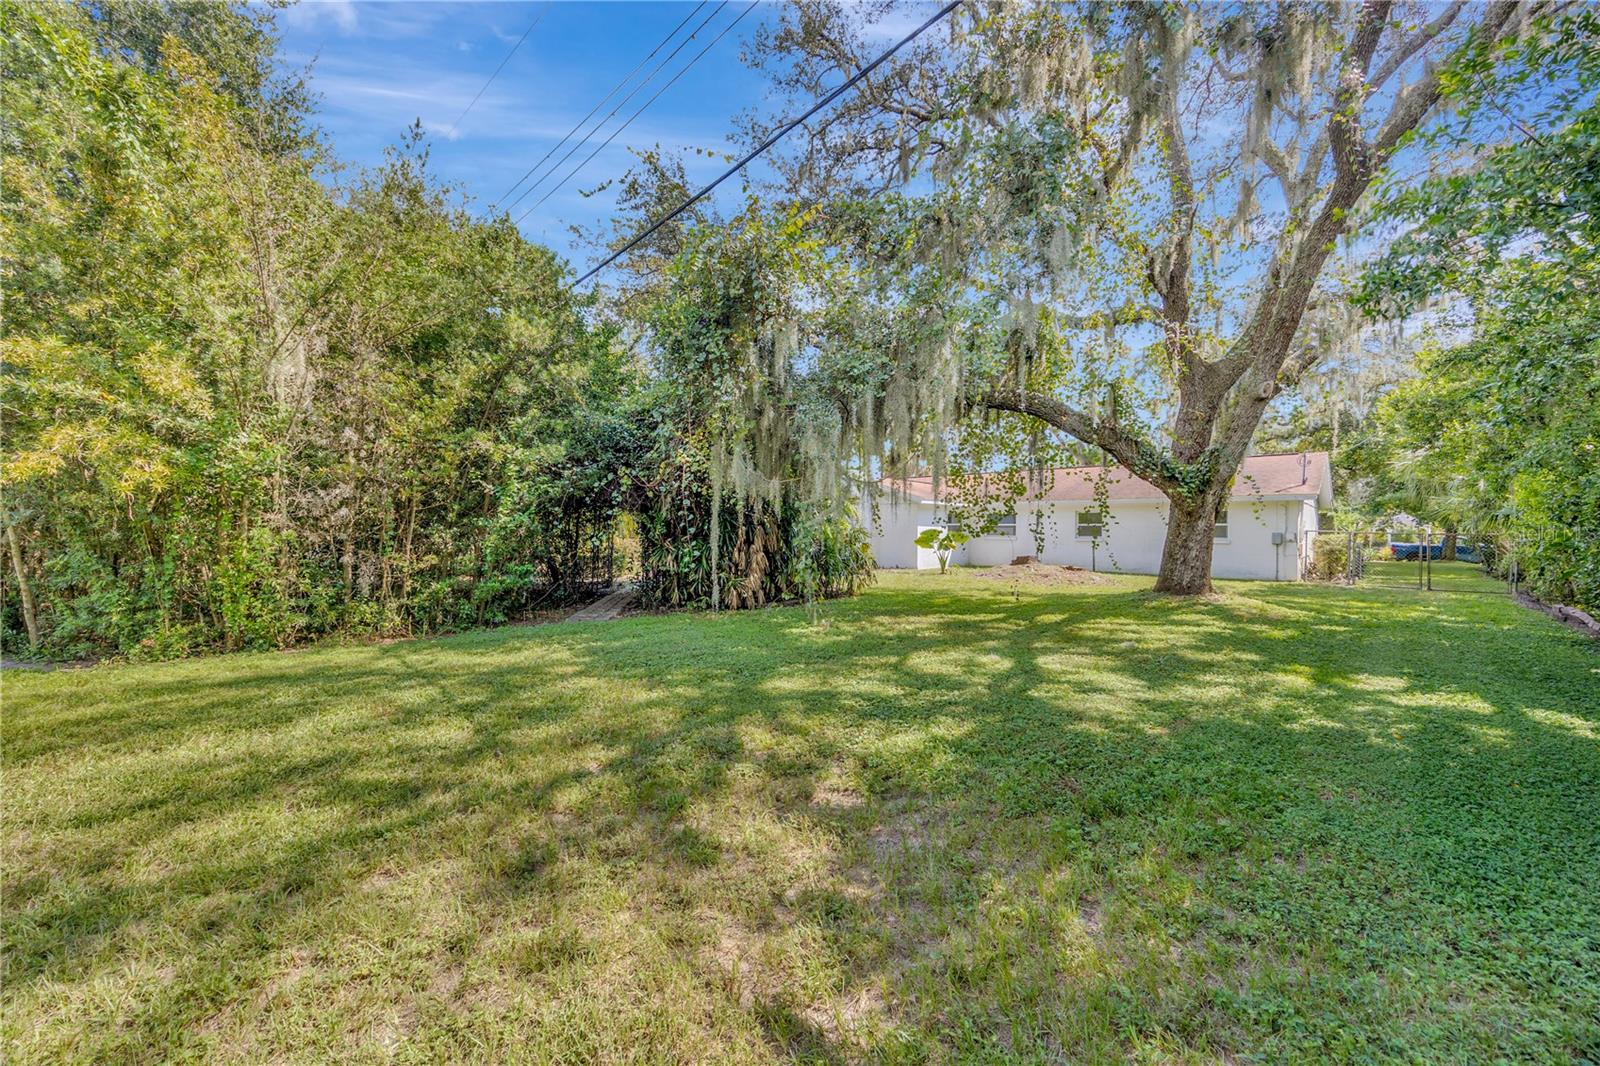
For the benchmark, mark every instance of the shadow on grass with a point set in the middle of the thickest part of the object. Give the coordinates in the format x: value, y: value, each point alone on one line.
x: 1272, y: 805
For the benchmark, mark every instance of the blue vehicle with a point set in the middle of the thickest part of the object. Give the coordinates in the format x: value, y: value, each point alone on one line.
x: 1466, y: 553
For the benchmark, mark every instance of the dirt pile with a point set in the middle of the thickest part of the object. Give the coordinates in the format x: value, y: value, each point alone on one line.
x: 1038, y: 574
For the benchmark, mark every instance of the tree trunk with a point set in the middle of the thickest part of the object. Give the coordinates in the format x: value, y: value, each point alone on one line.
x: 1186, y: 556
x: 29, y: 619
x: 348, y: 558
x: 1191, y: 526
x: 1447, y: 551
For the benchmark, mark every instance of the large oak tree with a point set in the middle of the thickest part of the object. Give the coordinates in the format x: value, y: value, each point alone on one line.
x: 1126, y: 220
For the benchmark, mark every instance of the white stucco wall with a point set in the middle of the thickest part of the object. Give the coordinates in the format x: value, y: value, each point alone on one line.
x: 893, y: 534
x: 1131, y: 543
x: 1249, y: 552
x: 1310, y: 522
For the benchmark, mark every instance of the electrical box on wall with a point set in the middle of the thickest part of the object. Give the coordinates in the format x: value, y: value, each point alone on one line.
x: 1279, y: 537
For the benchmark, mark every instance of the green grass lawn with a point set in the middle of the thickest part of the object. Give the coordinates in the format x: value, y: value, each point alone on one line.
x: 1440, y: 576
x: 948, y: 821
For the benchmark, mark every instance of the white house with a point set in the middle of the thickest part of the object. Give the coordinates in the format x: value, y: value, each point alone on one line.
x: 1260, y: 534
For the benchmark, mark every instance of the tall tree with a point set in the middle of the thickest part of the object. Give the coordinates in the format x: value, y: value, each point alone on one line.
x: 249, y: 398
x: 1160, y: 190
x: 1506, y: 426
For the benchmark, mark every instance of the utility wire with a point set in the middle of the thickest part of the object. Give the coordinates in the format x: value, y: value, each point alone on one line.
x: 601, y: 147
x: 612, y: 114
x: 472, y: 270
x: 614, y: 89
x: 770, y: 141
x: 455, y: 126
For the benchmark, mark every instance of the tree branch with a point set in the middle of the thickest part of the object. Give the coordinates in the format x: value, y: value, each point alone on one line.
x: 1282, y: 168
x: 1350, y: 156
x: 1414, y: 101
x: 1415, y: 43
x: 1171, y: 278
x: 1126, y: 448
x: 1131, y: 314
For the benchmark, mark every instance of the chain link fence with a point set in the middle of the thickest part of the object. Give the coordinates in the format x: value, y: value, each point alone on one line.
x: 1411, y: 558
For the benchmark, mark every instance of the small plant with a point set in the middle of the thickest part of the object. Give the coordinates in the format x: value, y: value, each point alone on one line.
x: 1330, y: 559
x: 944, y: 542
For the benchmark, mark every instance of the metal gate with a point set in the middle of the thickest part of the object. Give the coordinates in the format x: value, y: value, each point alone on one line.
x: 1411, y: 558
x: 1392, y: 558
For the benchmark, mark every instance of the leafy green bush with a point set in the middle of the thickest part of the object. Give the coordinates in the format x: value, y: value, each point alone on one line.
x: 1330, y: 559
x: 1504, y: 429
x: 381, y: 426
x: 831, y: 557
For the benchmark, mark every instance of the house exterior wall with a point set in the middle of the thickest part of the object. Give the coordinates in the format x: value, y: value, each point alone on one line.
x: 1310, y: 522
x: 1248, y: 552
x: 893, y: 533
x: 1131, y: 543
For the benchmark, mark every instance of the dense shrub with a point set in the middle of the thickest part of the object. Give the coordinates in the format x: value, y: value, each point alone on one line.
x: 1330, y: 558
x: 764, y: 553
x: 1502, y: 433
x: 249, y: 399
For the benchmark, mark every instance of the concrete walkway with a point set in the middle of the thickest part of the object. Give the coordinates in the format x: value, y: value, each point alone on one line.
x: 605, y: 608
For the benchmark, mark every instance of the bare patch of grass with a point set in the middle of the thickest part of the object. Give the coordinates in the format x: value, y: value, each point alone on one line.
x: 1037, y: 575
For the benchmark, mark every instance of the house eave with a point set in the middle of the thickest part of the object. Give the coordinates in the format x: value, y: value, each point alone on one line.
x: 1244, y: 497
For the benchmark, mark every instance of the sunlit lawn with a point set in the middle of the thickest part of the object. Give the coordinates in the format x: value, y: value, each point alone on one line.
x: 949, y: 821
x: 1438, y: 575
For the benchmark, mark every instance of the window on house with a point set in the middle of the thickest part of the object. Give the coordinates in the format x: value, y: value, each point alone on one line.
x: 1090, y: 524
x: 951, y: 525
x: 1006, y: 526
x: 1221, y: 532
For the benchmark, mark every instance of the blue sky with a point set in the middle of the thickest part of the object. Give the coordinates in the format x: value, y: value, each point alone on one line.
x: 379, y: 66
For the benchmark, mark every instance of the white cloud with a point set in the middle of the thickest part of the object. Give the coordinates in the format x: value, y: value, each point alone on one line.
x: 311, y: 13
x: 895, y: 24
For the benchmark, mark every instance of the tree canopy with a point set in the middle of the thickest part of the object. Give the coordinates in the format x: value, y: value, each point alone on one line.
x: 1122, y: 223
x: 251, y: 397
x: 1502, y: 431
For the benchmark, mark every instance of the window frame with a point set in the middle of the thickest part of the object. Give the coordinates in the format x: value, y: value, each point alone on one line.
x: 1099, y: 525
x: 1000, y: 526
x: 1220, y: 529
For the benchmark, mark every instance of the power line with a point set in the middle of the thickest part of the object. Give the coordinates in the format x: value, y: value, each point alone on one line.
x: 472, y: 270
x: 557, y: 186
x: 612, y: 114
x: 455, y: 126
x: 770, y: 141
x: 626, y: 78
x: 621, y: 103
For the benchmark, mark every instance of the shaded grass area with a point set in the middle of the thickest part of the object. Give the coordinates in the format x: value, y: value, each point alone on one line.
x: 949, y: 821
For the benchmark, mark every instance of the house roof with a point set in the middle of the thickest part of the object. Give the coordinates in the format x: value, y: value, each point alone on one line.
x: 1297, y: 474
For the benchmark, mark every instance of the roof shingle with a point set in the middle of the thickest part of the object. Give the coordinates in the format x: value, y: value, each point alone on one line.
x: 1293, y: 474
